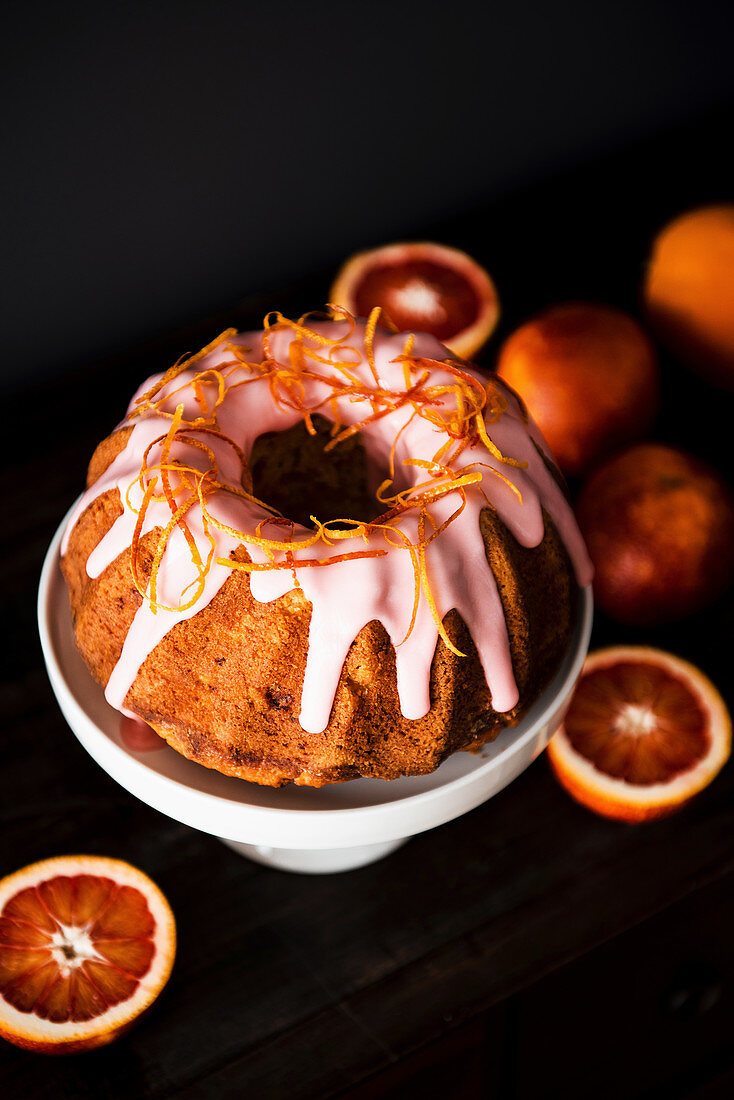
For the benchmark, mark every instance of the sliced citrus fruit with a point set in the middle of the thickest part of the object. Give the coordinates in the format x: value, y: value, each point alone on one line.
x: 644, y: 733
x: 425, y: 287
x: 86, y: 946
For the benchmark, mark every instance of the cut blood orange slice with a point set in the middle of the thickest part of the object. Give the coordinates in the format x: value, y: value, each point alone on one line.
x: 422, y: 287
x: 86, y: 945
x: 644, y: 733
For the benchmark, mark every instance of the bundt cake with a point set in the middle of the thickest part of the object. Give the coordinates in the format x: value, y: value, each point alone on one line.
x: 322, y: 551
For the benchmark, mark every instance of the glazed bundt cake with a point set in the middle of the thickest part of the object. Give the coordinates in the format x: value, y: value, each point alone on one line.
x: 322, y: 551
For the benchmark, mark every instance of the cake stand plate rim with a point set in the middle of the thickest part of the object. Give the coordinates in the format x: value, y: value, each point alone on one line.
x: 306, y: 828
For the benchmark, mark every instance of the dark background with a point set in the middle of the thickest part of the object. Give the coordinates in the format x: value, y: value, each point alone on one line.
x: 164, y: 160
x: 174, y: 168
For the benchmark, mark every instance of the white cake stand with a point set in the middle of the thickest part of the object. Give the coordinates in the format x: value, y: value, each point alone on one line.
x: 334, y: 828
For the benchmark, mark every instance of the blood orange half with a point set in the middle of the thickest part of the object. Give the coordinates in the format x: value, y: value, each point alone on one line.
x: 86, y: 946
x: 422, y: 287
x: 644, y: 733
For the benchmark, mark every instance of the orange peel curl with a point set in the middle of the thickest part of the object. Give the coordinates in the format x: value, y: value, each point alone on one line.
x: 460, y: 410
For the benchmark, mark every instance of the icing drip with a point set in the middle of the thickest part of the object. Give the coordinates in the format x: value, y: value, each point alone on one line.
x: 347, y: 595
x: 137, y: 735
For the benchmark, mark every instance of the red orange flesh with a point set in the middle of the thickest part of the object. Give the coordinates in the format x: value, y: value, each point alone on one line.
x: 86, y: 945
x: 644, y: 733
x: 424, y: 287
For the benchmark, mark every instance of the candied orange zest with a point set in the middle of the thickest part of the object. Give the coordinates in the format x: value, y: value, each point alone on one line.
x: 390, y: 533
x: 416, y: 594
x: 421, y: 550
x: 176, y: 510
x: 407, y: 352
x: 200, y: 566
x: 182, y: 364
x: 459, y: 409
x: 135, y: 544
x: 301, y: 563
x: 369, y: 341
x: 177, y: 520
x: 382, y: 488
x: 497, y: 473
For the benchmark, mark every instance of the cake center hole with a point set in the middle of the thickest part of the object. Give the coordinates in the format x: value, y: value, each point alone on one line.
x: 291, y: 472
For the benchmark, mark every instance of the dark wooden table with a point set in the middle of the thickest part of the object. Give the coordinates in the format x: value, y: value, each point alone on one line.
x: 528, y: 949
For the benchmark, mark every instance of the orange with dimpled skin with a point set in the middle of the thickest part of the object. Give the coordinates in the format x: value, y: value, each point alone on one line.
x: 689, y: 290
x: 589, y: 377
x: 659, y: 527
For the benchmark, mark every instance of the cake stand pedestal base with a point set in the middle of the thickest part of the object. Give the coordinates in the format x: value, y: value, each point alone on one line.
x: 315, y: 861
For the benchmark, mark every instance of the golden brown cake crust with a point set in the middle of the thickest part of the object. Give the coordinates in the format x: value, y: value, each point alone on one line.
x: 223, y: 688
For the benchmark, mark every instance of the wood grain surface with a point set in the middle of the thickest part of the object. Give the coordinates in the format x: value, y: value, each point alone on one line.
x: 528, y: 949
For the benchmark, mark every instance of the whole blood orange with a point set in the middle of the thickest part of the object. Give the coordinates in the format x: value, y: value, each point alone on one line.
x: 689, y: 290
x: 86, y: 946
x: 589, y: 377
x: 659, y: 527
x: 644, y: 733
x: 425, y: 287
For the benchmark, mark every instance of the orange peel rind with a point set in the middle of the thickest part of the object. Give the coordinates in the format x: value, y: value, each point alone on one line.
x: 650, y: 716
x: 460, y: 410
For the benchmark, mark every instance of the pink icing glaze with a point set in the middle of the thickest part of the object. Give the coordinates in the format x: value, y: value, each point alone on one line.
x: 137, y: 735
x: 349, y: 594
